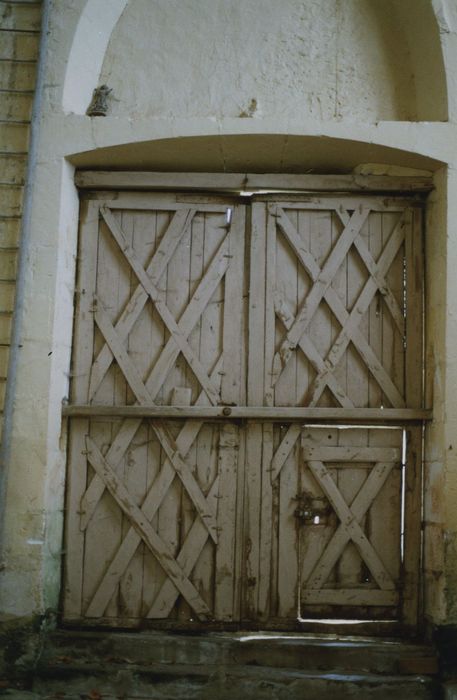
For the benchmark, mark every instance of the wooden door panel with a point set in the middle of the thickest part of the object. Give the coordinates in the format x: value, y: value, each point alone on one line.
x: 196, y: 302
x: 357, y: 486
x: 159, y: 322
x: 134, y: 574
x: 151, y: 319
x: 336, y: 302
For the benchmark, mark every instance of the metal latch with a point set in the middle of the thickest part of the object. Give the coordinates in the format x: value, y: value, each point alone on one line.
x: 311, y: 509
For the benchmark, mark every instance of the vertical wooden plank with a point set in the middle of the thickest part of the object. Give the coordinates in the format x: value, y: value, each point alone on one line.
x: 320, y: 329
x: 304, y: 368
x: 210, y: 234
x: 340, y: 285
x: 131, y: 583
x: 159, y: 335
x: 414, y: 397
x: 415, y: 309
x: 86, y: 284
x: 239, y: 563
x: 111, y: 531
x: 274, y: 596
x: 384, y: 515
x: 229, y: 433
x: 288, y: 536
x: 357, y: 276
x: 252, y: 499
x: 75, y: 537
x: 139, y: 228
x: 240, y: 483
x: 393, y: 351
x: 233, y: 305
x: 79, y: 428
x: 153, y: 575
x: 255, y: 384
x: 189, y: 388
x: 200, y: 451
x: 286, y: 282
x: 266, y: 509
x: 172, y: 516
x: 270, y: 316
x: 375, y: 311
x: 112, y: 290
x: 266, y: 524
x: 196, y: 266
x: 226, y: 520
x: 315, y: 536
x: 212, y: 318
x: 256, y: 358
x: 349, y: 481
x: 105, y: 525
x: 412, y: 541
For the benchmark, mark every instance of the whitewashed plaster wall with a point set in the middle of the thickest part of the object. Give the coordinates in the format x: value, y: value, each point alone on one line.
x: 335, y: 84
x: 324, y: 59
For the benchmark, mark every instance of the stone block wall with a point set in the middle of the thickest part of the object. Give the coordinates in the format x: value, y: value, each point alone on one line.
x: 20, y: 22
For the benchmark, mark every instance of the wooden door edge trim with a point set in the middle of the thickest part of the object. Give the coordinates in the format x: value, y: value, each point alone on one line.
x: 377, y: 415
x: 138, y: 180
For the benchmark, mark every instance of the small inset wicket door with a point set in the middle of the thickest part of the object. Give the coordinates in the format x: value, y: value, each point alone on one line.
x: 211, y: 334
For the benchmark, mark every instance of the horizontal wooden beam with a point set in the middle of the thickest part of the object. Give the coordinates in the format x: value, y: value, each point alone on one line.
x: 249, y: 182
x: 356, y: 596
x: 336, y: 415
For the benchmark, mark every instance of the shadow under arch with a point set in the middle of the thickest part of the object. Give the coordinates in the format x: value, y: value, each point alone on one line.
x: 259, y: 153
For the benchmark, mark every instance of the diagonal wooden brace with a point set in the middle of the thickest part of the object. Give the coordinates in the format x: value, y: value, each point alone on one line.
x: 350, y: 524
x: 141, y: 523
x: 364, y: 499
x: 321, y: 284
x: 350, y: 331
x: 341, y: 314
x: 162, y: 309
x: 187, y: 558
x: 180, y: 223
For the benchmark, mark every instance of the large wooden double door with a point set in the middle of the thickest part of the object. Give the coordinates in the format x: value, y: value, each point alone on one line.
x: 242, y: 373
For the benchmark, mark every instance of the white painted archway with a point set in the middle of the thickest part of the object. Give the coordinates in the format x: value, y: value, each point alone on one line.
x: 93, y: 32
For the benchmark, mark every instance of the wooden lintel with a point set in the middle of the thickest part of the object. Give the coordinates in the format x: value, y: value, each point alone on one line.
x: 249, y: 182
x: 336, y: 415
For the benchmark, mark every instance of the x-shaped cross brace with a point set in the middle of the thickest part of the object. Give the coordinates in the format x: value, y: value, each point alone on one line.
x: 179, y: 338
x: 151, y: 387
x: 151, y: 504
x: 349, y: 321
x: 349, y: 528
x: 180, y: 223
x: 142, y: 525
